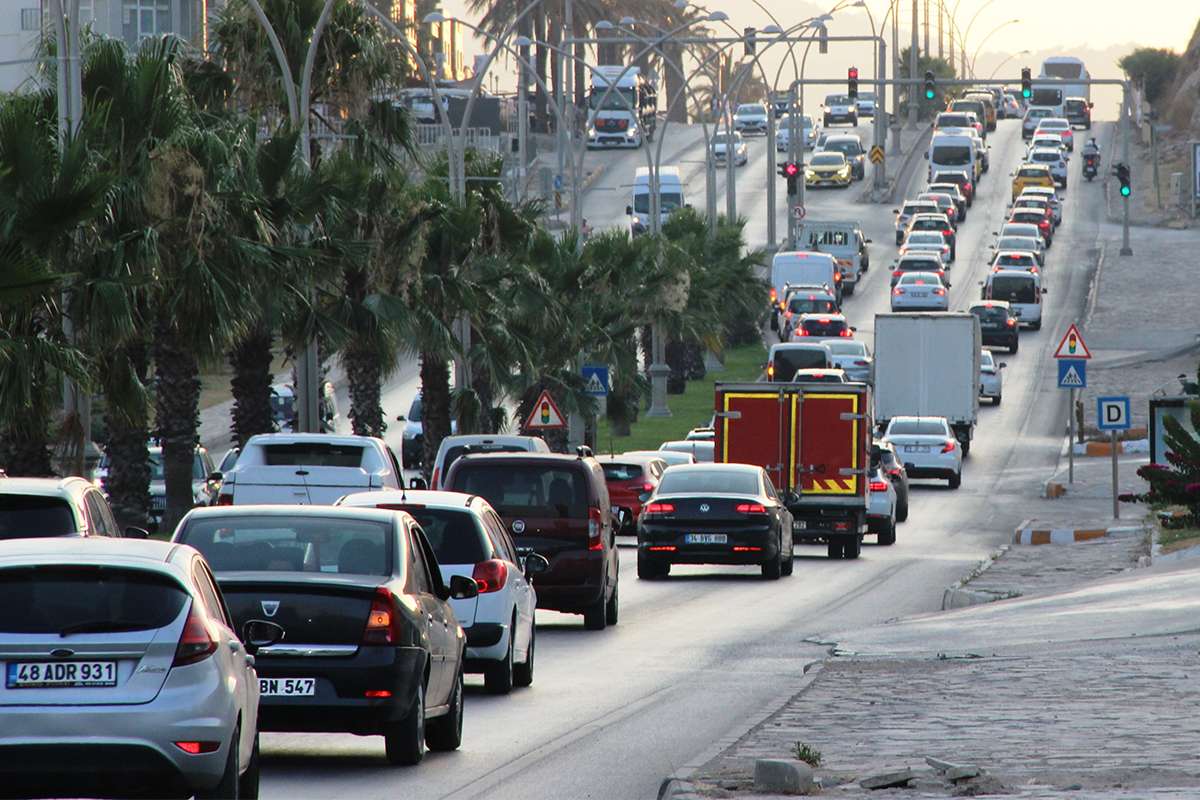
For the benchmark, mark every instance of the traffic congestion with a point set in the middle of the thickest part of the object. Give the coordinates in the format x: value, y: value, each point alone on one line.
x: 327, y: 584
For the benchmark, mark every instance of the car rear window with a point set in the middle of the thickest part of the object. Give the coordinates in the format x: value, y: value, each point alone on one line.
x: 917, y: 428
x: 994, y: 314
x: 709, y: 481
x: 527, y: 490
x: 806, y: 304
x: 455, y: 453
x: 455, y: 536
x: 786, y: 362
x: 1013, y: 288
x: 312, y: 454
x: 78, y: 599
x: 285, y: 543
x: 31, y: 516
x: 917, y: 265
x: 621, y: 472
x: 824, y: 327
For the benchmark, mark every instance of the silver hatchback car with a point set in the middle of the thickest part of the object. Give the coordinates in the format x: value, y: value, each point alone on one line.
x: 122, y: 674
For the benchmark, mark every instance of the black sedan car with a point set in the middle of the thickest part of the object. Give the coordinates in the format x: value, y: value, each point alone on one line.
x: 371, y: 644
x: 884, y: 454
x: 998, y: 324
x: 714, y: 514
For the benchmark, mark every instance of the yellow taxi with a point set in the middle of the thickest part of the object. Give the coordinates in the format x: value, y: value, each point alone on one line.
x: 828, y: 168
x: 1028, y: 175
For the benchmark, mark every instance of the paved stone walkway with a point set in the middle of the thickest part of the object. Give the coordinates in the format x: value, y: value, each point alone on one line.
x: 1024, y: 569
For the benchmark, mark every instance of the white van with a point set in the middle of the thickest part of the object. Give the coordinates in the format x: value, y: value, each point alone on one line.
x: 455, y: 447
x: 1023, y: 291
x: 953, y: 151
x: 670, y: 196
x: 799, y: 267
x: 842, y: 240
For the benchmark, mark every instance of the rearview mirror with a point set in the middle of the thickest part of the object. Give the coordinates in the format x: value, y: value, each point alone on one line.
x: 536, y: 564
x: 258, y: 633
x: 463, y: 588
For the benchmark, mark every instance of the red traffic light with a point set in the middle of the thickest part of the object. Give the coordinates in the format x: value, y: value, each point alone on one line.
x: 791, y: 169
x: 852, y: 73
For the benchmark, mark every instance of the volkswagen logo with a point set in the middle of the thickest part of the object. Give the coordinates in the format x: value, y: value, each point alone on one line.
x: 704, y: 508
x: 270, y: 607
x: 518, y: 526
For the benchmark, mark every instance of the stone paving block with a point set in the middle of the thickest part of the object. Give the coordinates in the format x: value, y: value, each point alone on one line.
x: 782, y: 776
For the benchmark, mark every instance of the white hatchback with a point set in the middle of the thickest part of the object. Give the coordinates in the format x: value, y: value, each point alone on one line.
x: 1053, y: 158
x: 928, y: 448
x: 469, y: 539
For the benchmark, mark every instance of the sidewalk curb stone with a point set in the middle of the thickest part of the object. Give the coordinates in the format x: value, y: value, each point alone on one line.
x: 1028, y: 534
x: 956, y: 595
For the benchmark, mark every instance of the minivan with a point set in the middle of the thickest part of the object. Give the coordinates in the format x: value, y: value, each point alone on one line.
x: 670, y: 196
x: 800, y: 267
x: 557, y: 506
x: 951, y: 151
x: 1023, y: 291
x: 786, y: 357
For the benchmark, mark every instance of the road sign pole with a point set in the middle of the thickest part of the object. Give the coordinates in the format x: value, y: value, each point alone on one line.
x: 1071, y: 442
x: 1116, y: 503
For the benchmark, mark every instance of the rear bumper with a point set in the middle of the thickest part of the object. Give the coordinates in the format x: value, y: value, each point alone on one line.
x: 762, y: 538
x: 820, y: 522
x: 575, y: 580
x: 340, y: 703
x: 930, y: 471
x: 1000, y: 339
x: 88, y: 769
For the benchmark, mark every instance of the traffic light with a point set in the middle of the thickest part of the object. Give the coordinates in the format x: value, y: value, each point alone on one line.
x: 1026, y: 83
x: 852, y: 82
x: 750, y: 41
x: 1122, y: 173
x: 930, y: 85
x: 791, y: 171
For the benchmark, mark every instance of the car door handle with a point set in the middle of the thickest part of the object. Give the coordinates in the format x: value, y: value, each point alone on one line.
x: 235, y: 645
x: 249, y: 660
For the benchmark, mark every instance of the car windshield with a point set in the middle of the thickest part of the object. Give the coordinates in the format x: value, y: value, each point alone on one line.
x: 954, y: 121
x: 949, y: 188
x: 951, y: 154
x: 850, y: 147
x: 811, y: 304
x: 990, y: 314
x: 454, y: 534
x: 414, y: 411
x: 917, y: 208
x: 1046, y: 156
x: 667, y: 202
x: 866, y: 96
x: 25, y: 516
x: 919, y: 265
x: 156, y: 467
x: 751, y: 110
x: 837, y: 100
x: 1030, y: 172
x: 1015, y: 259
x: 985, y: 359
x: 1028, y: 216
x: 1014, y: 288
x: 287, y: 543
x: 47, y: 599
x: 621, y: 472
x: 725, y: 139
x: 709, y: 481
x: 458, y: 451
x: 1018, y: 243
x: 917, y: 427
x: 1055, y: 125
x: 312, y: 454
x: 828, y: 160
x: 526, y: 490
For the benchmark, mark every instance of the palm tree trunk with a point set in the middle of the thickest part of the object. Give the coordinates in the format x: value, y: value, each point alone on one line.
x: 673, y: 81
x: 177, y: 414
x: 435, y: 397
x: 251, y: 359
x: 582, y: 76
x: 364, y: 376
x: 128, y: 431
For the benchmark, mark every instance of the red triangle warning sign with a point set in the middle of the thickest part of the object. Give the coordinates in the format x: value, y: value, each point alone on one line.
x: 545, y: 415
x: 1072, y: 345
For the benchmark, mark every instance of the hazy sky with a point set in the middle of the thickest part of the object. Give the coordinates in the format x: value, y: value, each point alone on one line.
x: 1098, y: 31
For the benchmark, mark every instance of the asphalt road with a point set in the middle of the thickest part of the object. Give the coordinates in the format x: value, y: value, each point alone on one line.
x: 611, y: 713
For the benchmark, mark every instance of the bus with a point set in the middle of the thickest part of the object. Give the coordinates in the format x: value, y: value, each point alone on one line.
x: 1065, y: 68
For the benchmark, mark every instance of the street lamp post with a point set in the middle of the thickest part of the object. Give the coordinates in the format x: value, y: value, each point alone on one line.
x: 991, y: 33
x: 1007, y: 59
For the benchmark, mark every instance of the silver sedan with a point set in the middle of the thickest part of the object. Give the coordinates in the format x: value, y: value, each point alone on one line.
x: 920, y: 291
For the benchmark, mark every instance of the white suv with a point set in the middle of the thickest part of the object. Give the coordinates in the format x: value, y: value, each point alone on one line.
x: 44, y: 507
x: 469, y: 539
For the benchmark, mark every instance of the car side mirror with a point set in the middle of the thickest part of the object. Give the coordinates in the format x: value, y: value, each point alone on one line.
x: 981, y: 283
x: 791, y: 499
x: 462, y: 588
x: 401, y: 418
x: 418, y: 483
x: 854, y: 329
x: 536, y: 564
x: 258, y: 633
x: 1045, y: 291
x: 867, y: 241
x: 995, y: 233
x: 215, y: 477
x: 1003, y: 364
x: 136, y: 533
x: 895, y: 211
x: 629, y: 211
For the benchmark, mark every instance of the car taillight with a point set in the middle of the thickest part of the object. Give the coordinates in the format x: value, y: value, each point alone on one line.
x: 947, y: 232
x: 751, y: 508
x: 939, y: 292
x: 967, y: 186
x: 490, y: 575
x: 837, y: 277
x: 897, y: 291
x: 197, y: 748
x: 225, y: 499
x: 801, y: 332
x: 659, y: 508
x: 846, y: 333
x: 787, y: 315
x: 895, y: 473
x: 861, y: 363
x: 595, y: 529
x: 897, y: 273
x: 196, y: 643
x: 1012, y: 323
x: 878, y: 486
x: 382, y: 625
x: 949, y: 446
x: 770, y: 371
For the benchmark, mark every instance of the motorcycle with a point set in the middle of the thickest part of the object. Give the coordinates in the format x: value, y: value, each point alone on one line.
x: 1091, y: 164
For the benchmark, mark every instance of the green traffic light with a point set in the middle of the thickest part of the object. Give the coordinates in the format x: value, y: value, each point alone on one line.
x: 1026, y: 93
x: 1126, y: 191
x: 929, y: 94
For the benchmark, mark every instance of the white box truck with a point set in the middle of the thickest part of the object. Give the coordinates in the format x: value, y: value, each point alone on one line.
x: 927, y: 364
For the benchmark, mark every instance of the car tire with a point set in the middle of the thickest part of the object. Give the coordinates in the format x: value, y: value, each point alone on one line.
x: 523, y: 673
x: 498, y: 676
x: 852, y: 548
x: 612, y: 608
x: 248, y: 784
x: 956, y: 480
x: 1016, y: 345
x: 772, y: 569
x: 445, y: 733
x: 789, y: 565
x: 902, y: 512
x: 835, y: 549
x: 1035, y: 326
x: 899, y: 238
x: 595, y: 617
x: 229, y: 785
x: 650, y: 570
x: 887, y: 536
x: 404, y: 741
x: 996, y: 400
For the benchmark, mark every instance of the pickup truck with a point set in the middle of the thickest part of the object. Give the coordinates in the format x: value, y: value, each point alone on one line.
x: 308, y: 469
x: 814, y: 440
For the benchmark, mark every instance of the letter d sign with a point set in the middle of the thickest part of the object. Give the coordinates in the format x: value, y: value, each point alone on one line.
x: 1112, y: 413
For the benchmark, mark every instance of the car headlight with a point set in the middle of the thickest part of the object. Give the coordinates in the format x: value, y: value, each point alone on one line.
x: 633, y: 129
x: 844, y: 171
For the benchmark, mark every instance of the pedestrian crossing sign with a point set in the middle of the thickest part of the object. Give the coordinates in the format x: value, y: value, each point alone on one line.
x: 1072, y: 373
x: 545, y: 415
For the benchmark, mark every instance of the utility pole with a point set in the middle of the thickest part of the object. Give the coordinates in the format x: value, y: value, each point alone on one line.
x: 879, y: 172
x: 940, y: 9
x: 771, y: 170
x: 1126, y: 112
x: 927, y: 28
x: 913, y: 66
x: 895, y: 116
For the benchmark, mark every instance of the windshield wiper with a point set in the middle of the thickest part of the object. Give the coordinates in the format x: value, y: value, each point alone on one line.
x: 101, y: 626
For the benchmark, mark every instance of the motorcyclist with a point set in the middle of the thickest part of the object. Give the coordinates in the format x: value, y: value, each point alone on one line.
x: 1092, y: 150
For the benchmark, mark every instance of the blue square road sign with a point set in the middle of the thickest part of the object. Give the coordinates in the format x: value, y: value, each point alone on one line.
x: 1072, y: 373
x: 595, y: 379
x: 1112, y: 413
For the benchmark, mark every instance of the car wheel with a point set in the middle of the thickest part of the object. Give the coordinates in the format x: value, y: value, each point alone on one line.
x: 772, y: 569
x: 404, y: 741
x: 835, y: 549
x: 498, y: 677
x: 956, y: 480
x: 789, y: 564
x: 887, y: 536
x: 1036, y: 326
x: 1015, y: 346
x: 248, y: 783
x: 595, y: 618
x: 852, y: 548
x: 899, y: 238
x: 227, y: 788
x: 445, y: 733
x: 612, y: 607
x: 523, y: 673
x: 902, y: 511
x: 996, y: 400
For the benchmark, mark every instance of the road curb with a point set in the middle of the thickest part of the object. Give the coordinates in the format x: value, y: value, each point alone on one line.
x: 1030, y: 533
x: 679, y: 784
x: 957, y: 595
x: 920, y: 144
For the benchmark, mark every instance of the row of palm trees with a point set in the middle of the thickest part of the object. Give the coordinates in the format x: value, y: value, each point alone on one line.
x: 180, y: 227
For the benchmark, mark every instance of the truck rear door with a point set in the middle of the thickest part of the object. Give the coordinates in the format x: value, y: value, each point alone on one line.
x: 755, y: 425
x: 832, y: 450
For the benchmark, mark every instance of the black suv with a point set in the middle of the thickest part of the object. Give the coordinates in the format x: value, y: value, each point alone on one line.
x: 558, y: 506
x: 998, y: 324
